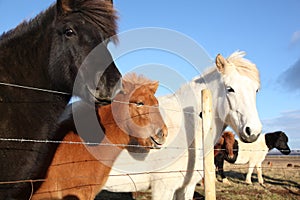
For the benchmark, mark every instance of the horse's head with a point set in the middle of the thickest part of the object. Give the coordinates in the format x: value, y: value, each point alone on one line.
x: 240, y: 80
x: 136, y: 112
x: 228, y: 143
x: 278, y: 140
x: 79, y: 28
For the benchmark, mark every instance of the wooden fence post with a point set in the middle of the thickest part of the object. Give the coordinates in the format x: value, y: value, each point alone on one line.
x: 208, y: 144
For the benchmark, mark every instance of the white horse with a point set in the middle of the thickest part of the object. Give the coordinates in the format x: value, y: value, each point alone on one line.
x: 173, y: 171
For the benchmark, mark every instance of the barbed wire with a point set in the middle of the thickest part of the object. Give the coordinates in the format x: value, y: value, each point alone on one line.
x: 112, y: 175
x: 91, y: 143
x: 34, y: 88
x: 232, y: 167
x: 239, y: 167
x: 23, y: 140
x: 259, y: 150
x: 69, y: 94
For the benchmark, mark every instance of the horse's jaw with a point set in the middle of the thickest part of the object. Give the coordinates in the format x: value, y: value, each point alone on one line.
x: 246, y: 132
x: 248, y: 139
x: 242, y: 135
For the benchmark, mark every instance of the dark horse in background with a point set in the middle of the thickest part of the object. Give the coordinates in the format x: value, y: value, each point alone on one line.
x: 47, y: 52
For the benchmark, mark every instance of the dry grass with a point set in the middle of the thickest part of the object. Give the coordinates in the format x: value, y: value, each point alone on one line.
x: 281, y: 183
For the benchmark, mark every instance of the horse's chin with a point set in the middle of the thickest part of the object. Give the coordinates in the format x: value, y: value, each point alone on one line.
x: 230, y: 156
x: 286, y: 151
x: 248, y: 138
x: 157, y: 143
x: 103, y: 101
x: 93, y: 96
x: 141, y: 156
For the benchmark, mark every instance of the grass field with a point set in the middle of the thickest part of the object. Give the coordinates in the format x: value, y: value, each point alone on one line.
x: 281, y: 183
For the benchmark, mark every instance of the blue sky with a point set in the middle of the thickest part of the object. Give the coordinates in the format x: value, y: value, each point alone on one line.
x: 269, y: 31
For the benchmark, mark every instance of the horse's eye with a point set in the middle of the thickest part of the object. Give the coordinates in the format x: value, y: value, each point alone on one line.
x: 257, y: 90
x: 229, y: 89
x: 139, y: 104
x: 69, y: 32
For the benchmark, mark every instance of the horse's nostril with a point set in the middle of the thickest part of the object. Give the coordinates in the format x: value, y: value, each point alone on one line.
x: 160, y: 133
x: 248, y: 131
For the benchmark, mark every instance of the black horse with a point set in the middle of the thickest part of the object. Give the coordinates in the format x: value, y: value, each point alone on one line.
x: 48, y: 52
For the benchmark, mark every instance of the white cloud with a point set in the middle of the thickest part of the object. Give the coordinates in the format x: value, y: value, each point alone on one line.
x: 295, y: 37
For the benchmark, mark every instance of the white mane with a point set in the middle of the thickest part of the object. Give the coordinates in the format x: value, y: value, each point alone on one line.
x: 244, y: 66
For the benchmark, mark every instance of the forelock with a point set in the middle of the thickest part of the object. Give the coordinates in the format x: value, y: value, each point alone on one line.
x: 135, y: 79
x: 244, y: 66
x: 101, y: 14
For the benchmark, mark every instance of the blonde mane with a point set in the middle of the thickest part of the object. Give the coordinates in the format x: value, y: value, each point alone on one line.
x: 135, y: 79
x: 244, y: 66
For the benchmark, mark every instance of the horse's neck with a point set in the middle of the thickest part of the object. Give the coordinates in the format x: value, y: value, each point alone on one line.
x: 113, y: 132
x: 213, y: 81
x: 259, y: 144
x: 109, y: 148
x: 24, y: 51
x: 261, y: 140
x: 188, y: 99
x: 190, y: 93
x: 269, y: 140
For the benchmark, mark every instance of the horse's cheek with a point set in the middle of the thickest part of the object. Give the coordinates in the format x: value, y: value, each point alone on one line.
x: 142, y: 120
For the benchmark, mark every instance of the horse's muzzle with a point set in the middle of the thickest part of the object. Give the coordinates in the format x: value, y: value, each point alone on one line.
x: 160, y: 137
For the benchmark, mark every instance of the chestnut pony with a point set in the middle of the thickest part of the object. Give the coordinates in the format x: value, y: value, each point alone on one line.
x: 226, y: 142
x: 132, y: 121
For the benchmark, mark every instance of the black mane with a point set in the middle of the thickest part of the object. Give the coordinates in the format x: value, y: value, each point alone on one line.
x: 101, y: 15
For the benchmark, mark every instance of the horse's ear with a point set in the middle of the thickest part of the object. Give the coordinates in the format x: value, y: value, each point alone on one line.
x: 221, y: 141
x: 126, y: 87
x: 228, y: 134
x: 153, y: 86
x: 220, y: 62
x: 65, y: 6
